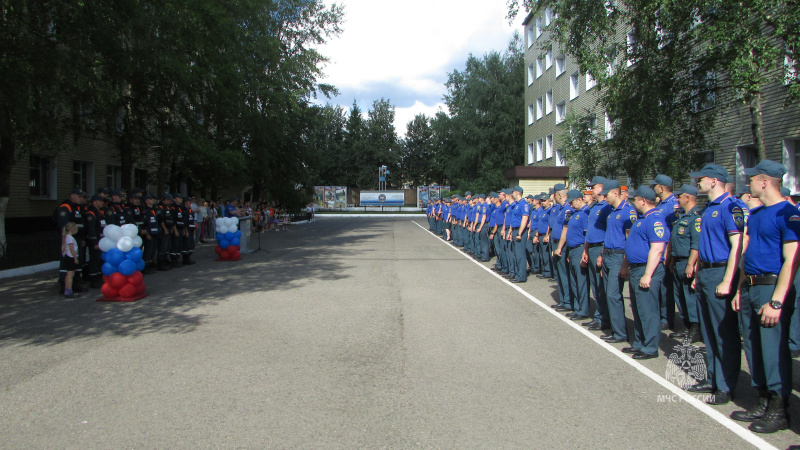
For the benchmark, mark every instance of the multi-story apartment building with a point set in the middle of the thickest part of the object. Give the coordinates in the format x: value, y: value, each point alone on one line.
x: 555, y: 88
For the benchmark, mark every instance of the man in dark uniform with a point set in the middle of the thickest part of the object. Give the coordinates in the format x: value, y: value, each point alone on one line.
x: 766, y: 297
x: 719, y: 251
x: 135, y: 208
x: 95, y: 223
x: 534, y: 259
x: 544, y: 246
x: 560, y: 258
x: 571, y: 246
x: 684, y: 246
x: 643, y: 263
x: 166, y: 223
x: 187, y: 246
x: 151, y: 234
x: 71, y: 210
x: 668, y: 207
x: 483, y: 228
x: 593, y: 251
x: 119, y: 211
x: 176, y: 248
x: 517, y: 234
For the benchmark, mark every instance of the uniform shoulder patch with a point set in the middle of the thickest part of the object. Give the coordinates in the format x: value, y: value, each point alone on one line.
x: 794, y: 219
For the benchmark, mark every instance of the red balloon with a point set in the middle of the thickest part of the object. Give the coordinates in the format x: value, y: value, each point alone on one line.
x: 105, y: 278
x: 218, y: 250
x: 108, y: 291
x: 135, y: 278
x: 236, y: 255
x: 117, y: 280
x: 128, y: 291
x: 139, y: 288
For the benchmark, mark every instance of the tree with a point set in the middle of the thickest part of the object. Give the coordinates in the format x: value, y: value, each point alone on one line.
x: 418, y: 151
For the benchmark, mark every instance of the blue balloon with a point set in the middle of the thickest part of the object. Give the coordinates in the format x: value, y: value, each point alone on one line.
x: 108, y: 269
x: 140, y: 265
x: 235, y: 241
x: 115, y: 256
x: 220, y: 236
x: 238, y: 233
x: 135, y: 254
x: 223, y: 243
x: 127, y: 267
x: 103, y: 256
x: 229, y: 236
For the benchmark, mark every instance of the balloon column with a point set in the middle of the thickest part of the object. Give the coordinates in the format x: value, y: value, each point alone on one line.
x: 228, y: 235
x: 122, y: 270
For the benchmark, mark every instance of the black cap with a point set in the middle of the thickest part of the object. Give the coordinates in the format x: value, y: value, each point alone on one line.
x: 77, y: 191
x: 96, y: 198
x: 166, y: 196
x: 117, y: 192
x: 137, y: 192
x: 178, y: 195
x: 103, y: 190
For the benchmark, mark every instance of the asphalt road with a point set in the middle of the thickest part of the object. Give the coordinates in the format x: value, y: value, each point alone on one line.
x: 351, y: 333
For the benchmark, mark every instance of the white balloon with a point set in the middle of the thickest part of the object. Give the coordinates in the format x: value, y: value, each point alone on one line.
x: 234, y: 221
x: 220, y: 221
x: 106, y: 244
x: 137, y: 241
x: 130, y: 230
x: 125, y: 244
x: 112, y: 232
x: 222, y: 229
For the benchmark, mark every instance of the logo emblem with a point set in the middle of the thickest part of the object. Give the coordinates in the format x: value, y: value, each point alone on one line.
x: 715, y: 214
x: 681, y: 230
x: 618, y: 216
x: 659, y: 231
x: 738, y: 218
x: 697, y: 226
x: 686, y: 366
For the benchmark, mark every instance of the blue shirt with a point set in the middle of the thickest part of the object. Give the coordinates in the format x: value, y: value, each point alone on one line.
x: 669, y: 209
x: 518, y: 210
x: 721, y: 218
x: 562, y: 219
x: 507, y: 213
x: 598, y: 215
x: 498, y: 214
x: 552, y: 219
x: 768, y: 228
x: 229, y: 210
x: 620, y: 220
x: 651, y: 227
x: 544, y: 218
x: 576, y: 228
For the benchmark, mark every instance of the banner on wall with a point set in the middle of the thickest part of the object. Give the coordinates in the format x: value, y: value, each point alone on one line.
x: 382, y: 198
x: 319, y: 195
x: 422, y: 196
x: 340, y: 197
x: 330, y: 197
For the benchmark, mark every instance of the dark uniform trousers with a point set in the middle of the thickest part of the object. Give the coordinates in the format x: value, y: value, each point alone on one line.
x: 718, y: 321
x: 520, y: 255
x: 579, y: 292
x: 794, y: 328
x: 188, y: 243
x: 646, y: 309
x: 150, y: 245
x: 685, y: 295
x: 532, y: 251
x: 769, y: 357
x: 511, y: 260
x: 499, y: 249
x: 562, y: 277
x: 544, y: 256
x: 612, y: 263
x: 483, y: 237
x: 667, y: 300
x: 164, y: 244
x: 597, y: 284
x: 95, y: 264
x: 176, y: 247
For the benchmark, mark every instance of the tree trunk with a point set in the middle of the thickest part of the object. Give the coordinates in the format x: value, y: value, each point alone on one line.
x: 163, y: 162
x: 757, y: 125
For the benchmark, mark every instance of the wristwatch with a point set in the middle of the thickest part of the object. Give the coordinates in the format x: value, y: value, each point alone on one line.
x: 775, y: 304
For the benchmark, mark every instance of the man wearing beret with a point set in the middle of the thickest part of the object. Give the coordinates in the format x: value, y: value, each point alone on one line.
x: 684, y: 246
x: 593, y: 251
x: 719, y: 251
x: 644, y: 256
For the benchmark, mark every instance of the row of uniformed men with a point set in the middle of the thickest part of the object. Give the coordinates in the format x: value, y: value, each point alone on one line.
x: 721, y: 268
x: 167, y: 228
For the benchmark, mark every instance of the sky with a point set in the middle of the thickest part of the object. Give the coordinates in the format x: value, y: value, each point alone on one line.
x: 403, y: 50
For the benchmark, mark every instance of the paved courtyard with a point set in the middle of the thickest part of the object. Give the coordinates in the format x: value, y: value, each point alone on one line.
x: 350, y: 333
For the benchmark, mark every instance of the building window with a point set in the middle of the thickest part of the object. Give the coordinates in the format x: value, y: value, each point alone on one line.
x: 539, y: 149
x: 539, y: 66
x: 561, y: 65
x: 704, y: 96
x: 746, y: 157
x: 561, y: 159
x: 140, y: 179
x: 529, y: 34
x: 631, y: 48
x: 539, y: 109
x: 548, y: 146
x: 531, y: 74
x: 548, y: 102
x: 114, y: 177
x: 609, y: 126
x: 789, y: 66
x: 561, y: 111
x: 590, y: 81
x: 591, y: 123
x: 42, y: 179
x: 531, y: 114
x: 548, y: 59
x: 573, y: 85
x: 548, y: 16
x: 530, y: 154
x: 611, y: 60
x: 791, y: 159
x: 538, y: 27
x: 83, y: 176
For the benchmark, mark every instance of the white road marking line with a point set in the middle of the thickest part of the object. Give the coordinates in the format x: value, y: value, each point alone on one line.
x: 720, y: 418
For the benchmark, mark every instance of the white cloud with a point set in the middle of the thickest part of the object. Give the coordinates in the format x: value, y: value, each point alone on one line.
x: 404, y: 115
x: 406, y: 49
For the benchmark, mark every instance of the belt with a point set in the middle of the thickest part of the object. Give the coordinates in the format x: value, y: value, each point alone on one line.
x: 569, y: 249
x: 761, y: 280
x: 708, y: 265
x: 607, y: 250
x: 680, y: 258
x: 596, y: 244
x: 635, y: 265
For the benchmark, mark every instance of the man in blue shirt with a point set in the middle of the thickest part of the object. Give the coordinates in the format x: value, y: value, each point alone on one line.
x: 534, y: 258
x: 516, y: 235
x: 720, y: 242
x: 593, y: 251
x: 765, y: 297
x: 683, y: 246
x: 230, y: 208
x: 498, y: 236
x: 572, y: 244
x: 644, y: 256
x: 559, y: 259
x: 544, y: 245
x: 669, y: 208
x: 482, y: 228
x: 618, y: 225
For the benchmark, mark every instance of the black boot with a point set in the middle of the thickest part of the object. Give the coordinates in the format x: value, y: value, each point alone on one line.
x: 187, y: 260
x: 775, y: 418
x: 176, y: 263
x: 756, y: 412
x: 693, y: 335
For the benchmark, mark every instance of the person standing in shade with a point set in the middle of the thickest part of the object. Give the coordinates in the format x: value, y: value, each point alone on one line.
x: 534, y: 259
x: 593, y: 252
x: 618, y: 225
x: 719, y: 251
x: 643, y: 264
x: 483, y: 228
x: 560, y: 258
x: 573, y: 241
x: 684, y: 246
x: 669, y: 209
x: 517, y: 234
x: 766, y: 295
x: 544, y: 244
